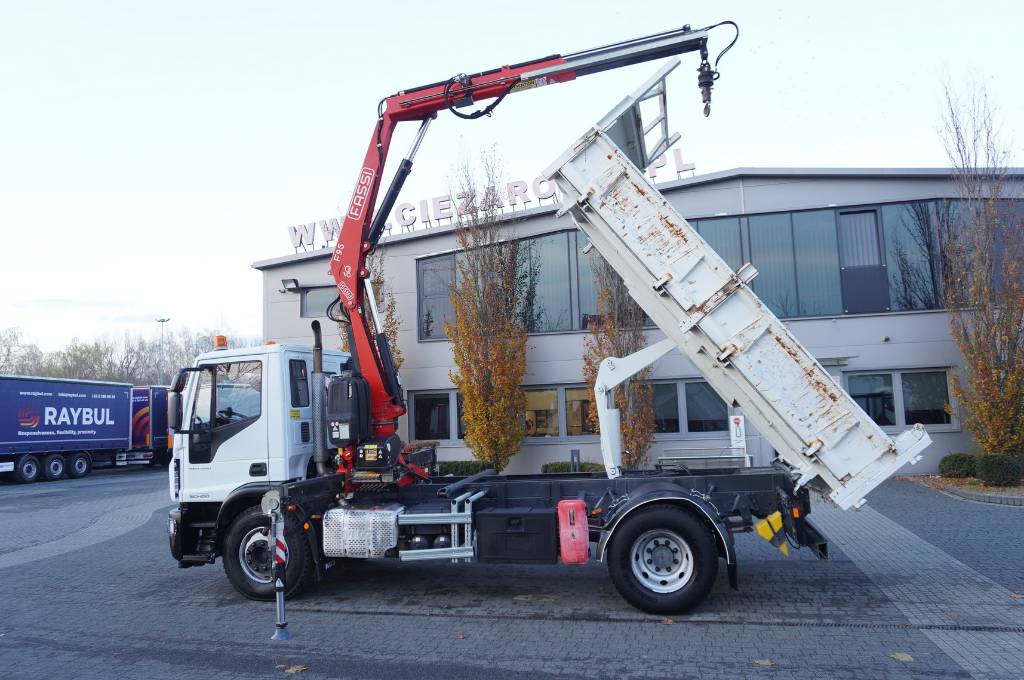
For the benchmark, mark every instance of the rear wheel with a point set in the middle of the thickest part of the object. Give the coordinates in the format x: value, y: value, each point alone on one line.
x: 26, y: 469
x: 248, y: 556
x: 78, y: 465
x: 53, y: 467
x: 663, y: 560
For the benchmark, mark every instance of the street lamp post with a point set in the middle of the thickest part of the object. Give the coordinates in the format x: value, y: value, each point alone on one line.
x: 163, y: 373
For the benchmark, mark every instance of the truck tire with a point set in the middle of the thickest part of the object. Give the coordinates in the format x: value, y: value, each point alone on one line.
x: 26, y: 469
x: 248, y: 556
x: 78, y: 465
x: 53, y: 467
x: 663, y: 560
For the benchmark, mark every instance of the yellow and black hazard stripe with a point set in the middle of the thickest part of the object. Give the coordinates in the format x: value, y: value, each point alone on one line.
x: 770, y: 529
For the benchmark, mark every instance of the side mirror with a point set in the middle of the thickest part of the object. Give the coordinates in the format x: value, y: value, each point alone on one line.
x: 174, y: 410
x: 174, y: 403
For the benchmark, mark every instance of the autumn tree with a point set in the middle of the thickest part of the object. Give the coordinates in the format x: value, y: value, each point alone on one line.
x: 493, y: 283
x: 983, y: 247
x: 617, y: 331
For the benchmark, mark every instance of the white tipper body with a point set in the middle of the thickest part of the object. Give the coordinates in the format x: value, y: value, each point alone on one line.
x: 713, y: 317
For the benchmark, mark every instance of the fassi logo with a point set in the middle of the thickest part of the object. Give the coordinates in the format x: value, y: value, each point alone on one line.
x: 362, y: 192
x: 28, y: 417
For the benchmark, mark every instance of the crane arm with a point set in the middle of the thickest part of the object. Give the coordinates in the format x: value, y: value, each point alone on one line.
x: 363, y: 226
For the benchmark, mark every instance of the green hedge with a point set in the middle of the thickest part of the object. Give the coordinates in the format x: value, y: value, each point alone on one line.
x: 999, y: 469
x: 461, y: 468
x: 564, y: 466
x: 957, y: 465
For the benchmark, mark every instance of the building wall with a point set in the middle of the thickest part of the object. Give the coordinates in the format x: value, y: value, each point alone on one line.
x: 844, y: 344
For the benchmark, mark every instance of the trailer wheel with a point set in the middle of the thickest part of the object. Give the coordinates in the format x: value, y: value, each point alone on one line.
x: 78, y: 465
x: 53, y: 467
x: 26, y: 470
x: 248, y: 557
x: 663, y: 560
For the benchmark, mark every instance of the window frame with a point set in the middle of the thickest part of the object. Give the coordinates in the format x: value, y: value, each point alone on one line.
x: 898, y: 403
x: 304, y: 312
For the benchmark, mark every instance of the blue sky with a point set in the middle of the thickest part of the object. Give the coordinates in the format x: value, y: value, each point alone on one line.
x: 150, y: 152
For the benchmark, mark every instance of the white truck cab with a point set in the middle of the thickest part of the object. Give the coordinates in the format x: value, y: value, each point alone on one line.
x: 262, y: 420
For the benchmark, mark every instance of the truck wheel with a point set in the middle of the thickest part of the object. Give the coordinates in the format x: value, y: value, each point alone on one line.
x: 78, y: 465
x: 248, y: 556
x: 663, y: 560
x: 26, y: 470
x: 53, y: 467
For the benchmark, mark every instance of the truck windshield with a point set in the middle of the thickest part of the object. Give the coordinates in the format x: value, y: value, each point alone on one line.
x: 239, y: 386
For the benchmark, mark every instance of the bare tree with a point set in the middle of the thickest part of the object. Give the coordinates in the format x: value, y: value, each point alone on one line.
x: 983, y: 287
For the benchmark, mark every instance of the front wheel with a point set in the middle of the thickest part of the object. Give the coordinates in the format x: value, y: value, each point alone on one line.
x: 663, y: 560
x: 249, y: 557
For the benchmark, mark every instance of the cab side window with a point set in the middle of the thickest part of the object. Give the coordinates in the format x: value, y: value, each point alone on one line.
x: 239, y: 403
x: 299, y: 380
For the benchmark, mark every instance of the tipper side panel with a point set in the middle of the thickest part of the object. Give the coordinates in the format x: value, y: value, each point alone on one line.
x: 747, y: 355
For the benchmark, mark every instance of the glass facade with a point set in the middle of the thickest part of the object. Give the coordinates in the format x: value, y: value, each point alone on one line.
x: 859, y: 260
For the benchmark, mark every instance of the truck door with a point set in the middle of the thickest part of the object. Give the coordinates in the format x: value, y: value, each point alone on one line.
x: 227, y: 444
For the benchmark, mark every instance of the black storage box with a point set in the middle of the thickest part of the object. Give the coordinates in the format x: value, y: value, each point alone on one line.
x: 523, y: 535
x: 348, y: 409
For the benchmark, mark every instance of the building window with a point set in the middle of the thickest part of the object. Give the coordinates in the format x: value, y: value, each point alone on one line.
x: 299, y: 382
x: 547, y: 307
x: 705, y: 410
x: 435, y: 277
x: 431, y: 416
x: 542, y: 413
x: 314, y: 301
x: 460, y: 416
x: 817, y: 263
x: 903, y: 398
x: 926, y: 398
x: 912, y: 253
x: 771, y: 251
x: 723, y: 235
x: 666, y: 407
x: 873, y: 392
x: 858, y: 239
x: 586, y: 265
x: 577, y: 410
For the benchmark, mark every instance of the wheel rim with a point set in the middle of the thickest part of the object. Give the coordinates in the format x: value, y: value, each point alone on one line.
x: 256, y: 557
x: 56, y: 467
x: 29, y: 469
x: 80, y: 465
x: 662, y: 561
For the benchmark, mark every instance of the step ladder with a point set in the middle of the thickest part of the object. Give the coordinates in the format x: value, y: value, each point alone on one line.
x: 459, y: 518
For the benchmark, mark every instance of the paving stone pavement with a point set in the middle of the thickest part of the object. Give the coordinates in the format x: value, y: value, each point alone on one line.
x: 120, y: 608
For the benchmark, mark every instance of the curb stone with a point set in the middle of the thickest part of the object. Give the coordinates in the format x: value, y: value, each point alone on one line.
x: 993, y: 498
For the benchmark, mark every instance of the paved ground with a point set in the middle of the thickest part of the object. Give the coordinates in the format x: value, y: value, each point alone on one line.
x: 921, y: 585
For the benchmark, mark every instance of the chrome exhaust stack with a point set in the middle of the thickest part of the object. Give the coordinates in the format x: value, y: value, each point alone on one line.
x: 320, y: 456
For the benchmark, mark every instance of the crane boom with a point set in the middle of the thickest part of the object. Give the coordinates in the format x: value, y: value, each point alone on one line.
x: 363, y: 226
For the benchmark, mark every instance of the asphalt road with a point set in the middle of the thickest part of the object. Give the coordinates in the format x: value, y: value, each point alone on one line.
x: 920, y: 585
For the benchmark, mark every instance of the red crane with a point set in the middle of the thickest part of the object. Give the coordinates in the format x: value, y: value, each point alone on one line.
x: 363, y: 226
